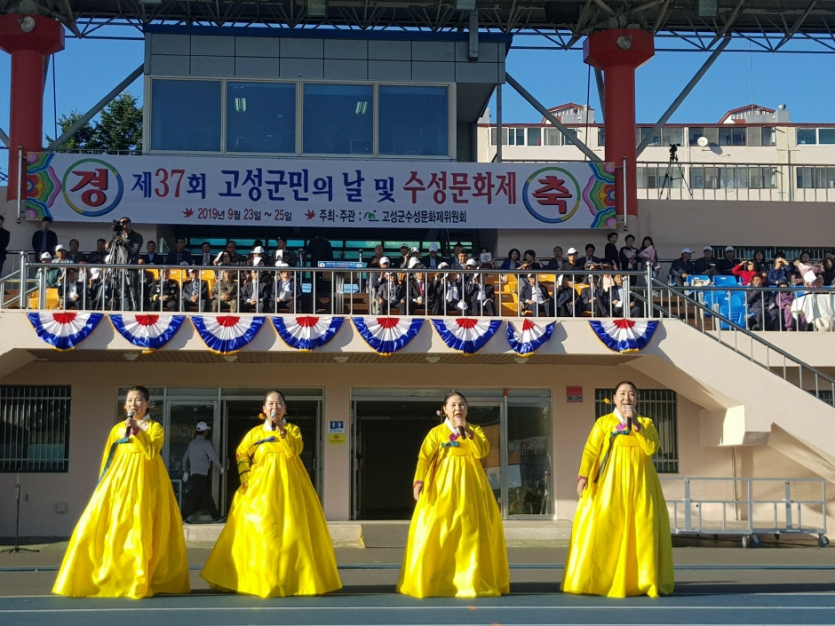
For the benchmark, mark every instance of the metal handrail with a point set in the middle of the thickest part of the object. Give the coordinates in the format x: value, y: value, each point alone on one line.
x: 736, y: 330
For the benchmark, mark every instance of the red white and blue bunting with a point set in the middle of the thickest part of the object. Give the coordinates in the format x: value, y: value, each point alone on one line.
x: 529, y: 338
x: 623, y: 335
x: 147, y: 330
x: 466, y: 334
x: 64, y: 330
x: 306, y: 332
x: 225, y: 334
x: 387, y: 335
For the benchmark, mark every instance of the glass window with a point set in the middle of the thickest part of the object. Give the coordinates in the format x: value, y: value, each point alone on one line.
x: 338, y: 119
x: 516, y: 136
x: 826, y: 135
x: 260, y: 117
x: 529, y: 458
x: 693, y: 134
x: 654, y: 139
x: 534, y: 136
x: 697, y: 178
x: 552, y: 137
x: 740, y: 136
x: 726, y: 137
x: 494, y: 133
x: 804, y: 177
x: 565, y: 141
x: 671, y: 135
x: 34, y: 428
x: 806, y: 136
x: 769, y: 136
x: 185, y: 115
x: 601, y: 137
x: 414, y: 120
x: 713, y: 178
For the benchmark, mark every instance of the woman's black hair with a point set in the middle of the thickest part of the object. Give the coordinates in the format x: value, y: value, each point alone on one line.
x: 651, y: 242
x: 512, y: 250
x: 454, y: 393
x: 280, y: 395
x: 142, y: 391
x: 761, y: 251
x: 531, y: 252
x: 626, y: 382
x: 609, y: 236
x: 629, y: 236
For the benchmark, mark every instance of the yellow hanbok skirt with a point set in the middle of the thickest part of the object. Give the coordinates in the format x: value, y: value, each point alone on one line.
x: 129, y: 541
x: 276, y: 540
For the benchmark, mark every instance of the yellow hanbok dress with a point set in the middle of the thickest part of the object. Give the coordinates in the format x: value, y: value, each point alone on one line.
x: 456, y: 543
x: 129, y: 541
x: 620, y: 540
x: 276, y: 540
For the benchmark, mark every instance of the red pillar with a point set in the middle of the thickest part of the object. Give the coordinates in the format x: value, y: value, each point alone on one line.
x: 28, y: 50
x: 618, y: 53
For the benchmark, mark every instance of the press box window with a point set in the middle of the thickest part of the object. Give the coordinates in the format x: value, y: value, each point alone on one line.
x: 34, y: 428
x: 186, y: 115
x: 806, y: 136
x: 338, y: 119
x: 261, y: 117
x: 414, y: 120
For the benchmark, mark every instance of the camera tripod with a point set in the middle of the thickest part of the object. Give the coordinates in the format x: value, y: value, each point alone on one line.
x: 123, y: 285
x: 17, y: 547
x: 667, y: 181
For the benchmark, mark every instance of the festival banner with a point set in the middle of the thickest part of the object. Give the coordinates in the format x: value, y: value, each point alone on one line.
x: 207, y: 190
x: 529, y: 338
x: 623, y: 335
x: 64, y: 330
x: 306, y: 332
x: 466, y: 334
x: 146, y: 330
x: 225, y: 334
x: 387, y: 335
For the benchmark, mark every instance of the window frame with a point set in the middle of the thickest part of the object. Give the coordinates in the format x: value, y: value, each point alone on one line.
x: 35, y: 395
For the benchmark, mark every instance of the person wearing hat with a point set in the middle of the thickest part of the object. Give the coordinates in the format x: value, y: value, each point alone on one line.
x: 374, y: 279
x: 60, y: 254
x: 707, y: 264
x: 572, y: 265
x: 682, y: 268
x: 51, y: 274
x: 197, y: 463
x: 257, y: 258
x: 432, y: 260
x: 726, y: 265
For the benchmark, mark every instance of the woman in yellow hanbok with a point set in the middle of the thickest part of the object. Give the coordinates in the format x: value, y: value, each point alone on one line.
x: 276, y: 540
x: 456, y: 543
x: 129, y: 541
x: 620, y: 540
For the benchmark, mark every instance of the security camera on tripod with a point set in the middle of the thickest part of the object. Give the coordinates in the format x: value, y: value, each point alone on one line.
x: 667, y: 181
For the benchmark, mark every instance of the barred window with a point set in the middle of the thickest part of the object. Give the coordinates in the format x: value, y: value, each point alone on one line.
x: 34, y: 428
x: 660, y: 406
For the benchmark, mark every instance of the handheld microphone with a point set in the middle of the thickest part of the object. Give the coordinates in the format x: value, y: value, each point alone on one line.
x: 628, y: 409
x: 127, y: 430
x: 463, y: 432
x: 272, y: 418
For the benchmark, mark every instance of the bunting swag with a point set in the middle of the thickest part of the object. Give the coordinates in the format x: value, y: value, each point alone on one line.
x: 530, y: 338
x: 466, y: 334
x: 64, y: 330
x: 305, y: 332
x: 227, y: 333
x: 622, y: 335
x: 148, y: 331
x: 387, y: 335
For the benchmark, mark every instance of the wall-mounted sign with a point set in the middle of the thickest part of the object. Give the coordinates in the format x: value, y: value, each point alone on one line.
x: 574, y: 394
x: 336, y: 432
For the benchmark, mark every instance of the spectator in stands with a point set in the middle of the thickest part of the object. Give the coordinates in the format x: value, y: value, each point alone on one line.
x: 152, y: 258
x: 432, y: 260
x: 285, y: 255
x: 410, y: 292
x: 760, y: 264
x: 452, y: 288
x: 629, y: 254
x: 682, y: 268
x: 595, y: 299
x: 60, y: 254
x: 485, y: 259
x: 195, y: 292
x: 726, y: 265
x: 534, y: 296
x: 784, y: 301
x: 572, y: 265
x: 165, y: 292
x: 45, y: 240
x: 556, y: 262
x: 286, y: 292
x: 405, y: 253
x: 71, y: 290
x: 706, y: 266
x: 529, y: 261
x: 457, y: 249
x: 205, y: 259
x: 611, y: 256
x: 435, y: 300
x: 566, y: 301
x: 762, y: 308
x: 51, y: 274
x: 234, y: 257
x: 648, y: 255
x: 422, y: 299
x: 258, y: 257
x: 780, y: 272
x: 73, y: 256
x: 256, y: 292
x: 460, y: 261
x: 5, y: 238
x: 374, y: 280
x: 589, y: 259
x: 745, y: 270
x: 828, y: 271
x: 513, y: 260
x: 617, y: 299
x: 479, y: 294
x: 225, y: 293
x: 378, y: 255
x: 179, y: 254
x: 387, y: 293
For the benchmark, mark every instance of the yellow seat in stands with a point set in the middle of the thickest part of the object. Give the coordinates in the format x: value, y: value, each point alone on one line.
x: 52, y: 300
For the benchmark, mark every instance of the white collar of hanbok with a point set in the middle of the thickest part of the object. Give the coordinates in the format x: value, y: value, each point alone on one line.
x: 267, y: 427
x: 449, y: 425
x: 145, y: 422
x: 620, y: 417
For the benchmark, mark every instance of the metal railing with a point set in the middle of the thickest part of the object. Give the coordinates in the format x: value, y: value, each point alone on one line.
x: 745, y: 507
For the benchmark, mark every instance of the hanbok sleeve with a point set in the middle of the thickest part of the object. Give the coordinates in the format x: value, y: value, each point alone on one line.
x: 594, y: 445
x: 111, y: 438
x: 428, y: 449
x: 151, y: 440
x: 242, y: 457
x: 293, y: 440
x: 479, y: 443
x: 648, y: 436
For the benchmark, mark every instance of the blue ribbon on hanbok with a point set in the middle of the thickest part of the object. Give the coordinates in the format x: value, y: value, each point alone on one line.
x: 110, y: 456
x: 608, y: 451
x: 451, y: 444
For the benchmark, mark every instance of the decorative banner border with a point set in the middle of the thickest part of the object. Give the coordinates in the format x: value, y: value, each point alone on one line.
x: 147, y: 330
x: 307, y: 332
x: 530, y: 338
x: 624, y: 335
x: 64, y: 330
x: 466, y: 334
x: 225, y: 334
x: 387, y: 335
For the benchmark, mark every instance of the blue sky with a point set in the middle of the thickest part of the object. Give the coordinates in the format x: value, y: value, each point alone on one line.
x: 88, y: 69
